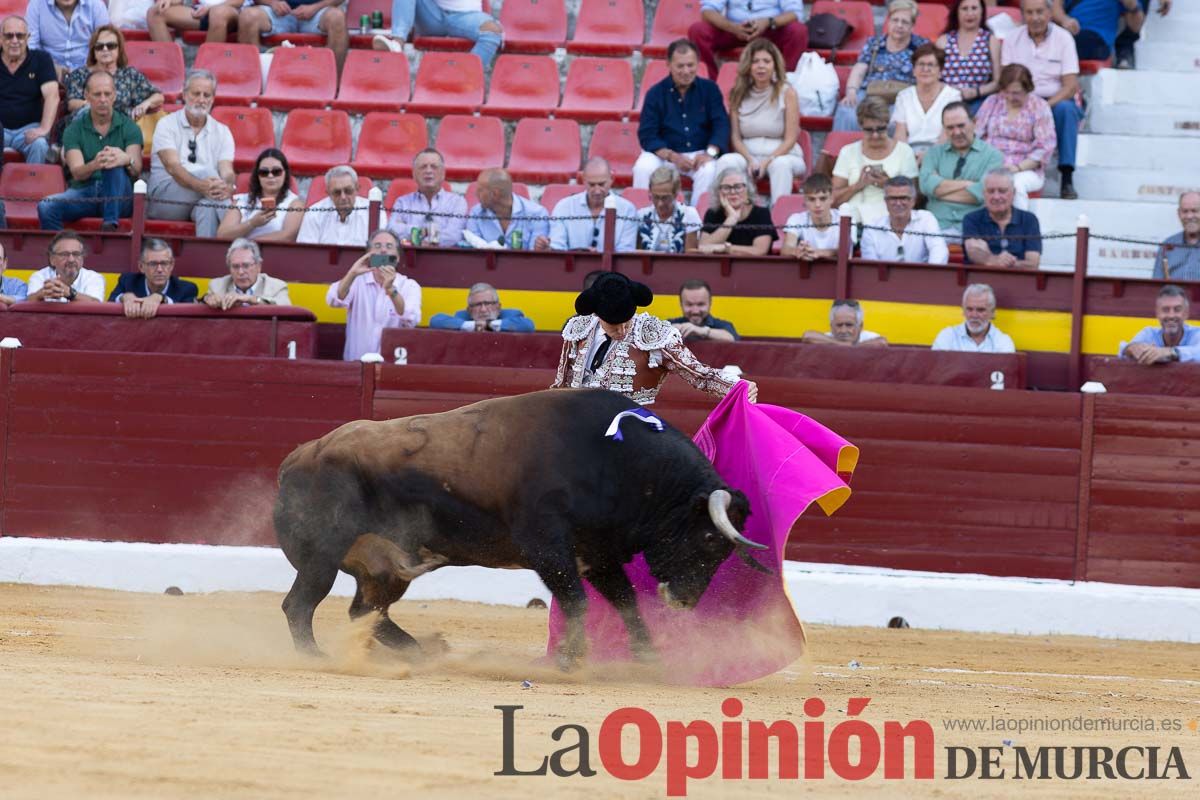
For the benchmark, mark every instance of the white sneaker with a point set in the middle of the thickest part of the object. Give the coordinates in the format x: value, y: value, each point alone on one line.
x: 381, y: 42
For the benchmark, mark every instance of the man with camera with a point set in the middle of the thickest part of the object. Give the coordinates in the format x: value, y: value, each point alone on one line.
x: 375, y: 296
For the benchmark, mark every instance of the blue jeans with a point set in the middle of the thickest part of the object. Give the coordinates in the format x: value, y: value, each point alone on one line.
x: 76, y: 204
x: 1067, y: 117
x: 34, y: 153
x: 433, y: 21
x: 846, y: 119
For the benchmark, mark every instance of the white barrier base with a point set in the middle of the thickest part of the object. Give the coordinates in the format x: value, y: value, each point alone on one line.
x: 822, y: 593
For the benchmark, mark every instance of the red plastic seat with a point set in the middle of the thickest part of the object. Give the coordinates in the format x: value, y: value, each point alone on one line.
x: 29, y: 181
x: 300, y: 77
x: 239, y: 74
x: 726, y: 78
x: 388, y: 143
x: 671, y: 21
x: 1090, y: 66
x: 317, y: 191
x: 316, y: 140
x: 639, y: 197
x: 617, y: 143
x: 448, y: 83
x: 373, y: 81
x: 596, y: 89
x: 130, y: 34
x: 161, y: 63
x: 856, y: 13
x: 836, y: 140
x: 557, y: 191
x: 470, y: 145
x: 522, y: 86
x: 609, y: 27
x: 545, y: 151
x: 1012, y: 12
x: 533, y: 26
x: 400, y: 187
x: 784, y: 207
x: 253, y: 131
x: 931, y: 20
x: 472, y: 193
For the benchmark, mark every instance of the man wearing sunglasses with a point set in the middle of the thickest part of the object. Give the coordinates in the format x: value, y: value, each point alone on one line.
x: 63, y: 28
x: 952, y: 172
x: 577, y: 222
x: 28, y: 92
x: 191, y: 166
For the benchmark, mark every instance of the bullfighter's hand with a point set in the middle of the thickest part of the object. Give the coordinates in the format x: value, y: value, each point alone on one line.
x: 752, y: 391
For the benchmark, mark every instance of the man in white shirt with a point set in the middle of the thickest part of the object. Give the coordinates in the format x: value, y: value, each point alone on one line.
x: 904, y: 234
x: 977, y: 334
x: 845, y: 328
x: 342, y: 218
x: 577, y: 221
x: 66, y: 280
x: 191, y: 166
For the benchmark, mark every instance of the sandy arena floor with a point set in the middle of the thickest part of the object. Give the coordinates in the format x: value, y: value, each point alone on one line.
x: 109, y: 694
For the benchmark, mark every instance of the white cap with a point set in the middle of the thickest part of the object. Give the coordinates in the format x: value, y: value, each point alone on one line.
x: 10, y: 342
x: 371, y: 358
x: 1093, y: 387
x: 610, y: 200
x: 375, y: 195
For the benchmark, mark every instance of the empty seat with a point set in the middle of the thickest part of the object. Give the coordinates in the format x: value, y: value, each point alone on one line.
x: 373, y: 81
x: 316, y: 140
x: 931, y: 20
x: 448, y: 83
x: 388, y: 143
x: 239, y: 75
x: 28, y: 181
x: 857, y: 14
x: 727, y: 77
x: 671, y: 21
x: 608, y: 27
x: 522, y: 86
x: 836, y: 140
x: 300, y: 77
x: 253, y: 131
x: 557, y: 191
x: 597, y: 88
x: 533, y: 26
x: 472, y: 193
x: 784, y: 207
x: 617, y: 143
x: 317, y: 191
x: 545, y: 151
x: 639, y: 197
x: 470, y: 144
x: 161, y: 63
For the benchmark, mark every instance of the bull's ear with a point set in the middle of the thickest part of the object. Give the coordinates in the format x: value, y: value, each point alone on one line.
x: 700, y: 503
x: 740, y: 504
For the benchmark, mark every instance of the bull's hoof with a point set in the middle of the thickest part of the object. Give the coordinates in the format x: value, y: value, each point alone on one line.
x: 568, y: 662
x: 645, y: 654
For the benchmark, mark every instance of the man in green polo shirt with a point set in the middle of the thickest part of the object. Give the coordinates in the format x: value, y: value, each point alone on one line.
x: 103, y: 150
x: 952, y: 172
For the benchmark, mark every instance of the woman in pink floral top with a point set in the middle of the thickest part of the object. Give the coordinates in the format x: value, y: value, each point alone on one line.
x: 1020, y: 125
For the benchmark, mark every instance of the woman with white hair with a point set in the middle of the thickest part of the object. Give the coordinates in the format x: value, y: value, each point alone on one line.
x: 734, y: 223
x: 667, y: 225
x: 884, y: 65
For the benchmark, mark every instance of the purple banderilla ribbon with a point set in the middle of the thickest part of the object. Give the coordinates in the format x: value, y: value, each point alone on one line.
x: 645, y: 415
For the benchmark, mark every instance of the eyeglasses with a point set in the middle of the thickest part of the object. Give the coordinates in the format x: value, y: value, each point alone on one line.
x: 662, y: 198
x: 904, y: 198
x: 68, y: 254
x: 483, y: 303
x: 270, y: 172
x: 733, y: 188
x: 192, y: 151
x: 20, y: 37
x: 158, y: 264
x: 875, y: 130
x: 337, y: 192
x: 108, y: 45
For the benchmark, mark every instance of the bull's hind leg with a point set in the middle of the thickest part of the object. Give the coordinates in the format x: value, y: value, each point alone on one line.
x: 374, y: 596
x: 311, y: 586
x: 613, y: 584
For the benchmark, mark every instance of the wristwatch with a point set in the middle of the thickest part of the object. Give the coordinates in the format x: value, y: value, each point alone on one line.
x: 392, y: 292
x: 1175, y: 353
x: 71, y: 296
x: 771, y: 23
x: 713, y: 151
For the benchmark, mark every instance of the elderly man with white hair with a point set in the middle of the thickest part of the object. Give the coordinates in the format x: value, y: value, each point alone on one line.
x: 845, y: 328
x: 976, y: 334
x: 1000, y: 234
x: 341, y: 218
x: 246, y: 284
x: 1178, y: 257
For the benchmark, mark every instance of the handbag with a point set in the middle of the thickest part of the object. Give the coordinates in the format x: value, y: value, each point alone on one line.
x: 885, y: 90
x: 827, y: 31
x: 147, y: 123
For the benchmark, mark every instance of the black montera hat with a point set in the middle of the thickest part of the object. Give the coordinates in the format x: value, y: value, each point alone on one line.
x: 613, y: 298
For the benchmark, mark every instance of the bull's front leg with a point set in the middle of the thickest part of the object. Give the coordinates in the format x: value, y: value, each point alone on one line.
x: 614, y: 585
x: 562, y: 579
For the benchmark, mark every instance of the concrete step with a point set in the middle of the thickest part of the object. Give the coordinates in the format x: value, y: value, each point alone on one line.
x: 1144, y: 87
x: 1137, y: 185
x: 1143, y: 121
x: 1136, y: 152
x: 1151, y: 222
x: 1169, y: 56
x: 1181, y: 26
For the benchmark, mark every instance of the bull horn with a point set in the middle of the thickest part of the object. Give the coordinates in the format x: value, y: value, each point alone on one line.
x: 718, y: 511
x: 751, y: 562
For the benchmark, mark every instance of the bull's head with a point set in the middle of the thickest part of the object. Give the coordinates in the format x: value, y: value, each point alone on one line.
x: 685, y: 562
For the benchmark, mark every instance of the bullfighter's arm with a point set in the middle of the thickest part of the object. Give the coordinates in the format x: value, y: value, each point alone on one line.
x: 683, y: 362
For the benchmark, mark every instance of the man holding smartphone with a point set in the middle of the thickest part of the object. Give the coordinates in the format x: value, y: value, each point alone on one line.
x: 375, y: 296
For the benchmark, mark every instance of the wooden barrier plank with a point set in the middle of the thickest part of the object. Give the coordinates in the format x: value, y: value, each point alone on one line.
x: 1153, y: 469
x: 931, y: 535
x: 934, y: 426
x: 1137, y: 407
x: 1148, y: 428
x: 1144, y: 573
x: 887, y: 505
x: 1146, y: 545
x: 968, y: 457
x: 1131, y: 493
x: 1162, y: 447
x: 990, y: 484
x: 249, y: 430
x: 1181, y: 521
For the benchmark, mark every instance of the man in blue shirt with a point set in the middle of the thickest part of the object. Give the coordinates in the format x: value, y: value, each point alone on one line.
x: 683, y: 123
x: 483, y: 313
x: 1182, y: 263
x: 999, y: 235
x: 1173, y: 340
x: 1094, y: 23
x: 726, y: 24
x: 505, y: 217
x: 577, y: 221
x: 12, y: 290
x: 267, y: 17
x: 63, y: 29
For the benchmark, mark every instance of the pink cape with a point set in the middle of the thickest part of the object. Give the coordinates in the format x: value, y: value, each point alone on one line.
x: 744, y: 626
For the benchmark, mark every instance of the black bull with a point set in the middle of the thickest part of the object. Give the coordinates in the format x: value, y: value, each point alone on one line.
x: 513, y: 482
